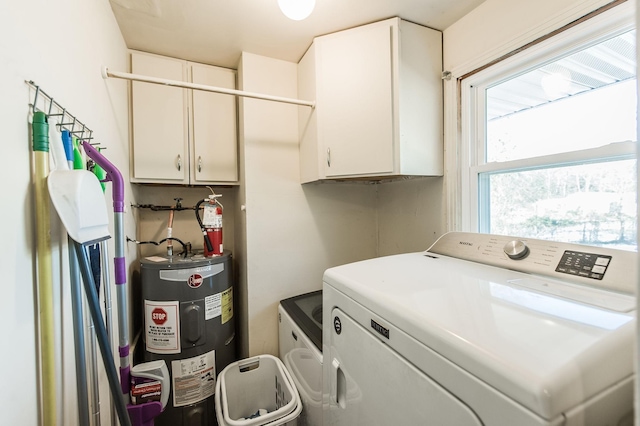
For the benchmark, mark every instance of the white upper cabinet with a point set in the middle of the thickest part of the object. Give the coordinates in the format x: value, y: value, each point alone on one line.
x: 182, y: 136
x: 379, y: 103
x: 214, y: 146
x: 159, y: 152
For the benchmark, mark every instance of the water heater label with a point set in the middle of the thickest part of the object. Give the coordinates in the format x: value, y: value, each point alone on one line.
x: 194, y: 379
x: 227, y: 305
x: 212, y: 306
x: 220, y: 304
x: 162, y: 326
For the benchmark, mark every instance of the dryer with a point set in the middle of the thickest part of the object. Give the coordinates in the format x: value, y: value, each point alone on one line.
x: 481, y: 330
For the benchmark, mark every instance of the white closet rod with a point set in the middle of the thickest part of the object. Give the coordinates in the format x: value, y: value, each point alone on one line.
x: 175, y: 83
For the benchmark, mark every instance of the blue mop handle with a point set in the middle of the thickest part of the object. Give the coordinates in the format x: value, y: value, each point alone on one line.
x: 67, y: 143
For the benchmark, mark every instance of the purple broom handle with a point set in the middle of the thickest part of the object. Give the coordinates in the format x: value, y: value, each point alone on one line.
x: 113, y: 175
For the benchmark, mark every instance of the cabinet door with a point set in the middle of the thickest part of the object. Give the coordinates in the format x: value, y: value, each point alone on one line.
x: 355, y: 100
x: 159, y: 117
x: 214, y: 127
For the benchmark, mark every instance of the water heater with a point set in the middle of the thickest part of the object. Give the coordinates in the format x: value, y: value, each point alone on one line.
x: 188, y: 322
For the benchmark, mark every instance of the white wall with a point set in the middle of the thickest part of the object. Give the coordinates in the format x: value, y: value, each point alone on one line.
x: 61, y: 46
x: 293, y: 232
x: 410, y: 215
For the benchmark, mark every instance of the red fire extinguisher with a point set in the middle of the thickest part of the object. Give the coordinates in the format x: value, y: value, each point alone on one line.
x: 211, y: 224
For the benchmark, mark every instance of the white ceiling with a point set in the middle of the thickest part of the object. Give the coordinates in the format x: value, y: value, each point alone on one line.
x: 216, y: 31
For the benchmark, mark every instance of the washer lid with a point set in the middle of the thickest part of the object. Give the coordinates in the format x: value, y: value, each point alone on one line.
x: 547, y: 352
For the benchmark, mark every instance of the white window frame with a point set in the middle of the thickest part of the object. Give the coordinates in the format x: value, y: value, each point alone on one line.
x: 472, y: 139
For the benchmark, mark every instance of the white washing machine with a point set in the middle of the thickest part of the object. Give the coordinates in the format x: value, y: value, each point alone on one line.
x: 481, y: 330
x: 300, y: 346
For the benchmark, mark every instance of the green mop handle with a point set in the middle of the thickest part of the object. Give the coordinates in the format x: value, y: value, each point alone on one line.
x: 40, y: 131
x: 78, y: 162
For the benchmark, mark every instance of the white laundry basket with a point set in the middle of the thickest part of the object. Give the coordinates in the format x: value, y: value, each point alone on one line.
x: 246, y: 386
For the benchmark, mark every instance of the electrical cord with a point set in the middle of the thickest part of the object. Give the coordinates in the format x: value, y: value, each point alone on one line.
x: 155, y: 208
x: 157, y: 243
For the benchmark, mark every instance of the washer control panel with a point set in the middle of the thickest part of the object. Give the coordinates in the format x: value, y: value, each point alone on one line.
x: 595, y: 266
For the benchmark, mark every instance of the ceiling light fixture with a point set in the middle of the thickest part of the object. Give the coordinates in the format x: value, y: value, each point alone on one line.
x: 297, y: 9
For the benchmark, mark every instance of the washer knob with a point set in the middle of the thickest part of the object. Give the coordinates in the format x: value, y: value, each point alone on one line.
x: 516, y: 249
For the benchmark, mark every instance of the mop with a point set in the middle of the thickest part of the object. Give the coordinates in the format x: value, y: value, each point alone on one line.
x: 78, y: 199
x: 94, y: 259
x: 76, y: 305
x: 56, y: 145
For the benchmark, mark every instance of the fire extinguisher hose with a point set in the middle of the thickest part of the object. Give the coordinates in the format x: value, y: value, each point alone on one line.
x: 204, y: 231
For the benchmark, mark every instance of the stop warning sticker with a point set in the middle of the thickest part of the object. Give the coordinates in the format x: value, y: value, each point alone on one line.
x: 162, y: 326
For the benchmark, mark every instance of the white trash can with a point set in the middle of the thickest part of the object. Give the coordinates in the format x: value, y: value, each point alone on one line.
x: 256, y: 391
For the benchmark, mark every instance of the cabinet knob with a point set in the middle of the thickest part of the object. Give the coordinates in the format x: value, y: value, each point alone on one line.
x: 199, y: 164
x: 328, y: 157
x: 179, y: 162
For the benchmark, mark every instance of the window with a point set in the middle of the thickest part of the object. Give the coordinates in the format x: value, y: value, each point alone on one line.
x: 551, y: 137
